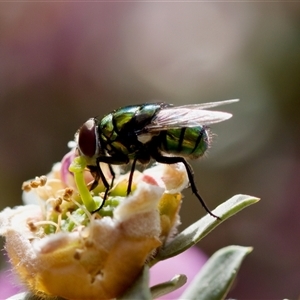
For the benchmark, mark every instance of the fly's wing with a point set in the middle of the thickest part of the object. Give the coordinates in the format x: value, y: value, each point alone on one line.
x: 188, y: 116
x: 209, y: 104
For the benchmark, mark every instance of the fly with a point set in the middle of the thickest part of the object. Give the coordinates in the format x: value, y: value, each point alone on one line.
x: 138, y: 133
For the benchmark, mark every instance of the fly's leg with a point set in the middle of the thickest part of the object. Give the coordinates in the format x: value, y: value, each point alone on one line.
x: 131, y: 176
x: 113, y: 175
x: 97, y: 172
x: 97, y: 176
x: 173, y: 160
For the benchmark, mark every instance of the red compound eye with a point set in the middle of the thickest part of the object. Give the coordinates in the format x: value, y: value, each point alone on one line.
x: 87, y: 139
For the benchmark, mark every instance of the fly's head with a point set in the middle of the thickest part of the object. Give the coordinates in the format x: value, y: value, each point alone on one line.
x: 87, y: 139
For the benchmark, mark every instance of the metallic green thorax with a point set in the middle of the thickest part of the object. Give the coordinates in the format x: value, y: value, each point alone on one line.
x: 123, y: 132
x: 118, y: 130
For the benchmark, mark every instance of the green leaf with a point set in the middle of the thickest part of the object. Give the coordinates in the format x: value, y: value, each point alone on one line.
x: 167, y: 287
x: 140, y: 289
x: 197, y: 231
x: 217, y: 275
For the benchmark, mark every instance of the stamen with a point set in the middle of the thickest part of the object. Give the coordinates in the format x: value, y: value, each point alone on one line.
x: 42, y: 223
x: 89, y: 215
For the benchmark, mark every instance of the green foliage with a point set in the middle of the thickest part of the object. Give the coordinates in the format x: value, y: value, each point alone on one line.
x: 216, y: 277
x: 197, y: 231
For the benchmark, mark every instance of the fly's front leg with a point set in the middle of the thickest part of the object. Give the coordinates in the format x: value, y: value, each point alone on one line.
x: 173, y: 160
x: 121, y: 160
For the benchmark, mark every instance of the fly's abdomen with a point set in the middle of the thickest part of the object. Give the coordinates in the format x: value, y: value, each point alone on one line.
x: 192, y: 142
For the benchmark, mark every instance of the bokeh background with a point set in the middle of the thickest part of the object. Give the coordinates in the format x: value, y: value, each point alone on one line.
x: 63, y: 62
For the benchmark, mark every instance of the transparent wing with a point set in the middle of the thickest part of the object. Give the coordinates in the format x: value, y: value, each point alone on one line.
x: 188, y: 116
x: 209, y: 104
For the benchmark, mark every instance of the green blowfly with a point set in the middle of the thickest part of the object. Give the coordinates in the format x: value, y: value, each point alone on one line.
x: 138, y: 133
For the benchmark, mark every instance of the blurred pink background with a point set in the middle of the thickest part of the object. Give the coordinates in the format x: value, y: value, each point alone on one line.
x: 62, y: 63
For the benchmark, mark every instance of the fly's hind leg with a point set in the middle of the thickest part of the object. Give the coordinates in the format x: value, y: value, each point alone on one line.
x: 173, y: 160
x: 131, y: 176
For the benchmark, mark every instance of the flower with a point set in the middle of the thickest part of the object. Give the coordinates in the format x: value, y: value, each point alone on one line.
x: 188, y: 263
x: 58, y: 241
